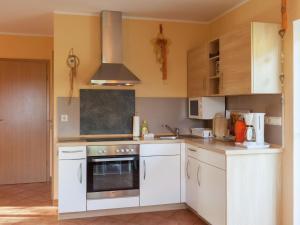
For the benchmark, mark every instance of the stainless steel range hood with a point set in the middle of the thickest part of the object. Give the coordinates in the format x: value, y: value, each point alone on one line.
x: 112, y: 70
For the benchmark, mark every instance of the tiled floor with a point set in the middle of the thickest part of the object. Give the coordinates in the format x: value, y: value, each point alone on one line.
x: 30, y: 204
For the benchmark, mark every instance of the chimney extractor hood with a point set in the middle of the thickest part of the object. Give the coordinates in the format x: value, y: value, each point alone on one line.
x: 112, y: 71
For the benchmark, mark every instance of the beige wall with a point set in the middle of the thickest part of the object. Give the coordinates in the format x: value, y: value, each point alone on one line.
x: 25, y: 47
x: 83, y: 34
x: 253, y: 10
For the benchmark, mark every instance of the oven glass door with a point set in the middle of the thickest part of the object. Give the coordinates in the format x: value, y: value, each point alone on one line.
x: 112, y: 173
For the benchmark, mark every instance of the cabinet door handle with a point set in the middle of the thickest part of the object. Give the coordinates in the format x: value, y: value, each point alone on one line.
x: 187, y: 169
x: 198, y: 180
x: 80, y: 173
x: 70, y: 152
x: 192, y: 150
x: 144, y: 170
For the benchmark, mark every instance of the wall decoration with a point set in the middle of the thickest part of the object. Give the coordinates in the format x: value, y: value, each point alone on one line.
x: 161, y: 50
x: 282, y: 32
x: 73, y: 63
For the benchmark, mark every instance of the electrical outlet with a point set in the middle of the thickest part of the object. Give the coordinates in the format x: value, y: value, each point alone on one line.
x: 64, y: 118
x: 272, y: 120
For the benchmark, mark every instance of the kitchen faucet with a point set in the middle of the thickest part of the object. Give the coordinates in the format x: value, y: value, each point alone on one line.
x: 175, y: 131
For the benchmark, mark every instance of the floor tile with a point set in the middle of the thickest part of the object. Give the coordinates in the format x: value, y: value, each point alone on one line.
x: 30, y: 204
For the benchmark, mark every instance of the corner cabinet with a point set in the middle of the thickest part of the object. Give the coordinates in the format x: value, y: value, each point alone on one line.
x: 206, y: 187
x: 250, y: 60
x: 72, y: 179
x: 159, y: 174
x: 241, y: 189
x: 247, y: 60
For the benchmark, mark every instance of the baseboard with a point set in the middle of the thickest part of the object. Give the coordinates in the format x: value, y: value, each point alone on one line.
x: 109, y: 212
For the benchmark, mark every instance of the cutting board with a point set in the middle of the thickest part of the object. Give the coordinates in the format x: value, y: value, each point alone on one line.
x: 220, y: 126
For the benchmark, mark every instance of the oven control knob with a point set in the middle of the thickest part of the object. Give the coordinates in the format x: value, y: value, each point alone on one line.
x: 100, y: 151
x: 132, y: 150
x: 127, y: 150
x: 117, y: 150
x: 122, y: 150
x: 104, y: 151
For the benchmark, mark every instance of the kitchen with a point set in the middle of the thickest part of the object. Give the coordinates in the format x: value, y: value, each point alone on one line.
x: 93, y: 128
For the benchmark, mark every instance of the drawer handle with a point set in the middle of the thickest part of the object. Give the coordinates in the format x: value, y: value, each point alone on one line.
x: 192, y: 150
x: 69, y: 152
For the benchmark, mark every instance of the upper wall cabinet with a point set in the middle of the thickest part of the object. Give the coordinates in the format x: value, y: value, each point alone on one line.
x: 250, y: 60
x: 197, y: 65
x: 244, y: 61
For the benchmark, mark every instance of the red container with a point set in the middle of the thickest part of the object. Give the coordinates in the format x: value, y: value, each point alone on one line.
x: 239, y: 130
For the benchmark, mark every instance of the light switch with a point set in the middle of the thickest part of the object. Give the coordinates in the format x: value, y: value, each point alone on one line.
x: 272, y: 120
x: 64, y: 118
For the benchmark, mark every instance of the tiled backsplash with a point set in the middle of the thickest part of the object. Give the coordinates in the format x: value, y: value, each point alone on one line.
x: 173, y: 111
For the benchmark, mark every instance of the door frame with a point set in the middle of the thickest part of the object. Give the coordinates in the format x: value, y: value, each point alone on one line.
x: 49, y: 106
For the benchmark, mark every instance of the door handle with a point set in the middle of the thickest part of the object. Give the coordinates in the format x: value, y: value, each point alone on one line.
x: 80, y: 173
x: 198, y: 181
x: 144, y: 170
x: 187, y: 169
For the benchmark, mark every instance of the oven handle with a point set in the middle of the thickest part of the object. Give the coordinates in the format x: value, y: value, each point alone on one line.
x: 114, y: 159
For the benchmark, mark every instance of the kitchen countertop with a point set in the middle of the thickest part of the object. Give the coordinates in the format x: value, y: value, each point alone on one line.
x: 222, y: 147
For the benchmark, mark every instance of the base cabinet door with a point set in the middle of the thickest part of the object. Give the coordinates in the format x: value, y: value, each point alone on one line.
x: 72, y: 186
x: 159, y: 180
x: 192, y: 186
x: 211, y: 182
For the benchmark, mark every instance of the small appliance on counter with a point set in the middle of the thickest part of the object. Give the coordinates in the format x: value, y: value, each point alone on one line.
x: 254, y: 135
x: 205, y: 108
x: 202, y: 132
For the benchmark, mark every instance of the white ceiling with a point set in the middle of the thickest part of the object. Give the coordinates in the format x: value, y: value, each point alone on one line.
x: 35, y: 16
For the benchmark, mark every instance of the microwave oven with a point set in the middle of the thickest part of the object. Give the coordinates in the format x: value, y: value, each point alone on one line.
x: 205, y: 108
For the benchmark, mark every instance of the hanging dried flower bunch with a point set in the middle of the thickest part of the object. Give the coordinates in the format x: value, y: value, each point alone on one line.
x: 161, y: 50
x: 73, y: 63
x: 282, y: 32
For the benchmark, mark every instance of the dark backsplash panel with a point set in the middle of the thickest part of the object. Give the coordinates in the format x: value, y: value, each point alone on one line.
x: 106, y: 111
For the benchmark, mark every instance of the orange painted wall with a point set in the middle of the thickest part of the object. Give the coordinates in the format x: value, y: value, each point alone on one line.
x: 26, y: 47
x: 137, y: 49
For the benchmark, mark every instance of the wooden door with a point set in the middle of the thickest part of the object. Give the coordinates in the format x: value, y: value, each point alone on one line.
x: 198, y: 72
x: 23, y: 121
x: 235, y: 62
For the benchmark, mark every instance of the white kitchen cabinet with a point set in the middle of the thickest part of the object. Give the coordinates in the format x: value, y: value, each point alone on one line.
x: 192, y: 186
x: 72, y: 179
x: 211, y: 193
x: 206, y: 185
x: 237, y: 188
x: 159, y: 174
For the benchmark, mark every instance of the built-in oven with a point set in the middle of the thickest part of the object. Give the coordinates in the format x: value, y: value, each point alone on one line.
x: 112, y: 171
